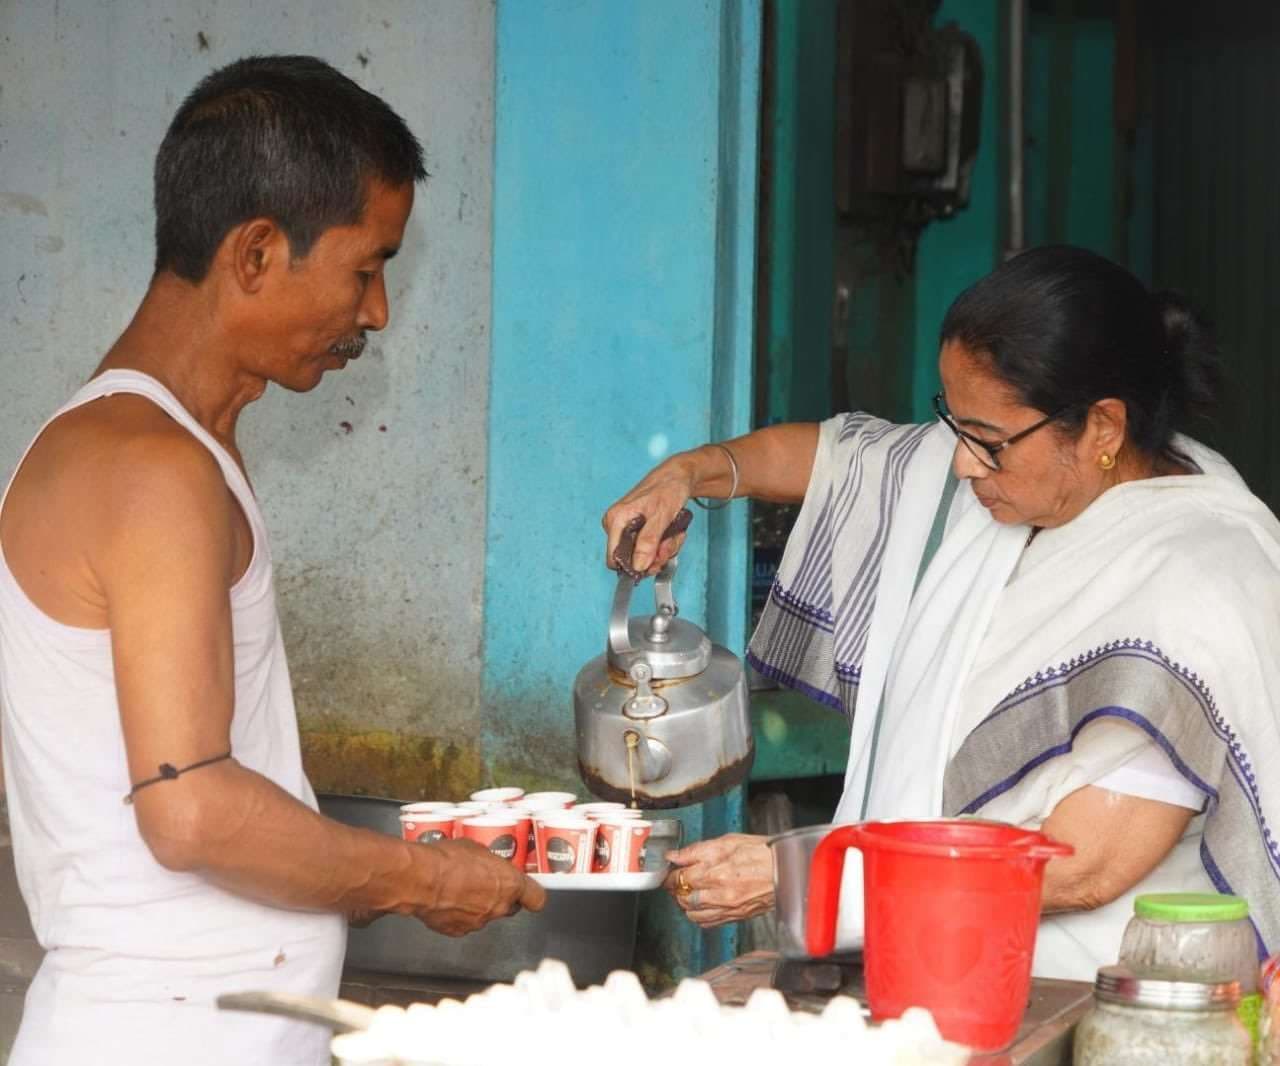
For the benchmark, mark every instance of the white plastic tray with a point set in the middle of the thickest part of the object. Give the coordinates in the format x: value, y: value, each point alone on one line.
x: 641, y: 882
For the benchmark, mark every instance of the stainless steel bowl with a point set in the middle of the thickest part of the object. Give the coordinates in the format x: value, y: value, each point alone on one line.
x: 792, y: 853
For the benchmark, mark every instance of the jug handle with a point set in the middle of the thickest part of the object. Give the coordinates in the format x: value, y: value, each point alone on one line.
x: 826, y: 872
x: 1044, y: 850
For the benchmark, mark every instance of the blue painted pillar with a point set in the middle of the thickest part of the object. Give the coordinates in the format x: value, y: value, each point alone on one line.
x: 624, y: 236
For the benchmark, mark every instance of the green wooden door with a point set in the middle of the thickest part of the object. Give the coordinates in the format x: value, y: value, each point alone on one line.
x: 1215, y: 80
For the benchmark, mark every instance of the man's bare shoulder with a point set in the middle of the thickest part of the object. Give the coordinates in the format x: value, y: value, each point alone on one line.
x: 106, y: 483
x: 120, y: 445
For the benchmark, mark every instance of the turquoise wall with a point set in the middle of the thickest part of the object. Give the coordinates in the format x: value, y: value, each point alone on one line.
x: 799, y: 245
x: 882, y: 337
x: 623, y: 250
x: 1071, y: 193
x: 1071, y: 143
x: 955, y: 252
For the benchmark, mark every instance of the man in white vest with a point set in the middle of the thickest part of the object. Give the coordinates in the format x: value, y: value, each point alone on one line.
x: 140, y: 650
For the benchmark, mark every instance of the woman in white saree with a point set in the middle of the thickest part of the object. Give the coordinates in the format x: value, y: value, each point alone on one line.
x: 1046, y: 608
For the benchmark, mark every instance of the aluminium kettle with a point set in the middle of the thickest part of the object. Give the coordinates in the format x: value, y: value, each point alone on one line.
x: 662, y: 716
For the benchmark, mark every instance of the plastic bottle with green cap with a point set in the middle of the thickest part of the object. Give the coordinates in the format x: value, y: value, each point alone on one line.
x: 1198, y: 936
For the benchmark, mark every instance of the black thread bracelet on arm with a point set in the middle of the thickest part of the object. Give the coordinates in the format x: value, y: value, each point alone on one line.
x: 168, y: 772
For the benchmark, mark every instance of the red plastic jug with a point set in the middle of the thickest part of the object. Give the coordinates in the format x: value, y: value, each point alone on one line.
x: 951, y: 911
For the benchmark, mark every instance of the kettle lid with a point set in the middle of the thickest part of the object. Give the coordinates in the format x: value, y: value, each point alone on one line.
x: 672, y: 647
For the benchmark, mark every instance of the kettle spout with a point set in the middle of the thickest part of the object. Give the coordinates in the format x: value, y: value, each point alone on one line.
x: 651, y: 758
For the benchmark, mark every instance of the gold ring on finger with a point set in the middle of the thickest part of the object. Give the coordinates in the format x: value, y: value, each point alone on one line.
x: 682, y: 886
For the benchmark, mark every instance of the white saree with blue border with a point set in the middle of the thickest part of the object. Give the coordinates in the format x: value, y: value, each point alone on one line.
x: 1009, y: 674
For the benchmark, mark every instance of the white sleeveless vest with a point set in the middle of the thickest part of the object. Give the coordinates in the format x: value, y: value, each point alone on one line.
x: 136, y: 954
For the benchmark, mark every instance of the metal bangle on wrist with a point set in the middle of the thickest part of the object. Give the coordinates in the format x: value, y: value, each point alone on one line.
x: 733, y: 488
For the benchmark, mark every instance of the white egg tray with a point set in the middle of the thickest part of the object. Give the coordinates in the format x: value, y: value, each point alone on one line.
x: 554, y: 1024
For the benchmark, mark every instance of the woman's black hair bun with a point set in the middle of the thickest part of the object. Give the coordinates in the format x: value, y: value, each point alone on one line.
x: 1190, y: 346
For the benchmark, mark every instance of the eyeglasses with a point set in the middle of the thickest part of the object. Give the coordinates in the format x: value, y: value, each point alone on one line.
x: 985, y: 451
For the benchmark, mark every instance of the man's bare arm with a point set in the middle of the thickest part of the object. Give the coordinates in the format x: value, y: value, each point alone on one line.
x: 165, y: 563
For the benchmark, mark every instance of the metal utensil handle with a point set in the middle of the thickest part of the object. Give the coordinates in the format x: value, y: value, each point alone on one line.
x: 341, y: 1015
x: 663, y: 597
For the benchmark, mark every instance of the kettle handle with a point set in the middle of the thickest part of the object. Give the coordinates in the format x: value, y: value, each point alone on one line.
x: 663, y: 598
x: 620, y: 616
x: 624, y: 551
x: 826, y: 872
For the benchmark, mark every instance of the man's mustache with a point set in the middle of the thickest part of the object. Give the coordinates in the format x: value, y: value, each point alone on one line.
x: 351, y: 347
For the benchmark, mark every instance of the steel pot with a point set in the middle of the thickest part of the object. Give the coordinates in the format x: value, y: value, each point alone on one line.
x: 792, y: 856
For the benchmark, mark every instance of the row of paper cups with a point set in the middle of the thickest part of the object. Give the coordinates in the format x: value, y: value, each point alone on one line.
x: 543, y: 832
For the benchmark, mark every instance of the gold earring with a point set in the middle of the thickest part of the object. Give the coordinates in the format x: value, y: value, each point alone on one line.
x: 1106, y: 461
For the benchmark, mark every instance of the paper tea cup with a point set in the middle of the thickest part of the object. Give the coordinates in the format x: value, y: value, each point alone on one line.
x: 565, y: 844
x: 506, y: 835
x: 426, y: 805
x: 531, y: 846
x: 596, y: 807
x: 497, y: 795
x: 428, y: 827
x: 620, y: 845
x: 548, y: 800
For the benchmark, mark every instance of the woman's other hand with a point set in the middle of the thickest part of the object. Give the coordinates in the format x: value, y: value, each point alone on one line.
x: 728, y: 879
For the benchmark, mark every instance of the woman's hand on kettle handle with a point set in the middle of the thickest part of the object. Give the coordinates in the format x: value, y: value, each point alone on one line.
x: 658, y: 498
x: 773, y: 463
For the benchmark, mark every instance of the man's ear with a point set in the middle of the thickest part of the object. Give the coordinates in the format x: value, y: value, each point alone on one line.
x: 254, y: 248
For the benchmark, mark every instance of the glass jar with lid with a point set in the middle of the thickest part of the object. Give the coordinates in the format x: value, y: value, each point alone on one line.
x: 1158, y: 1020
x: 1197, y: 936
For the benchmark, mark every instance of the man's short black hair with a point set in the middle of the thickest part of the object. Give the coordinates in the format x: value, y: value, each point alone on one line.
x: 282, y: 137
